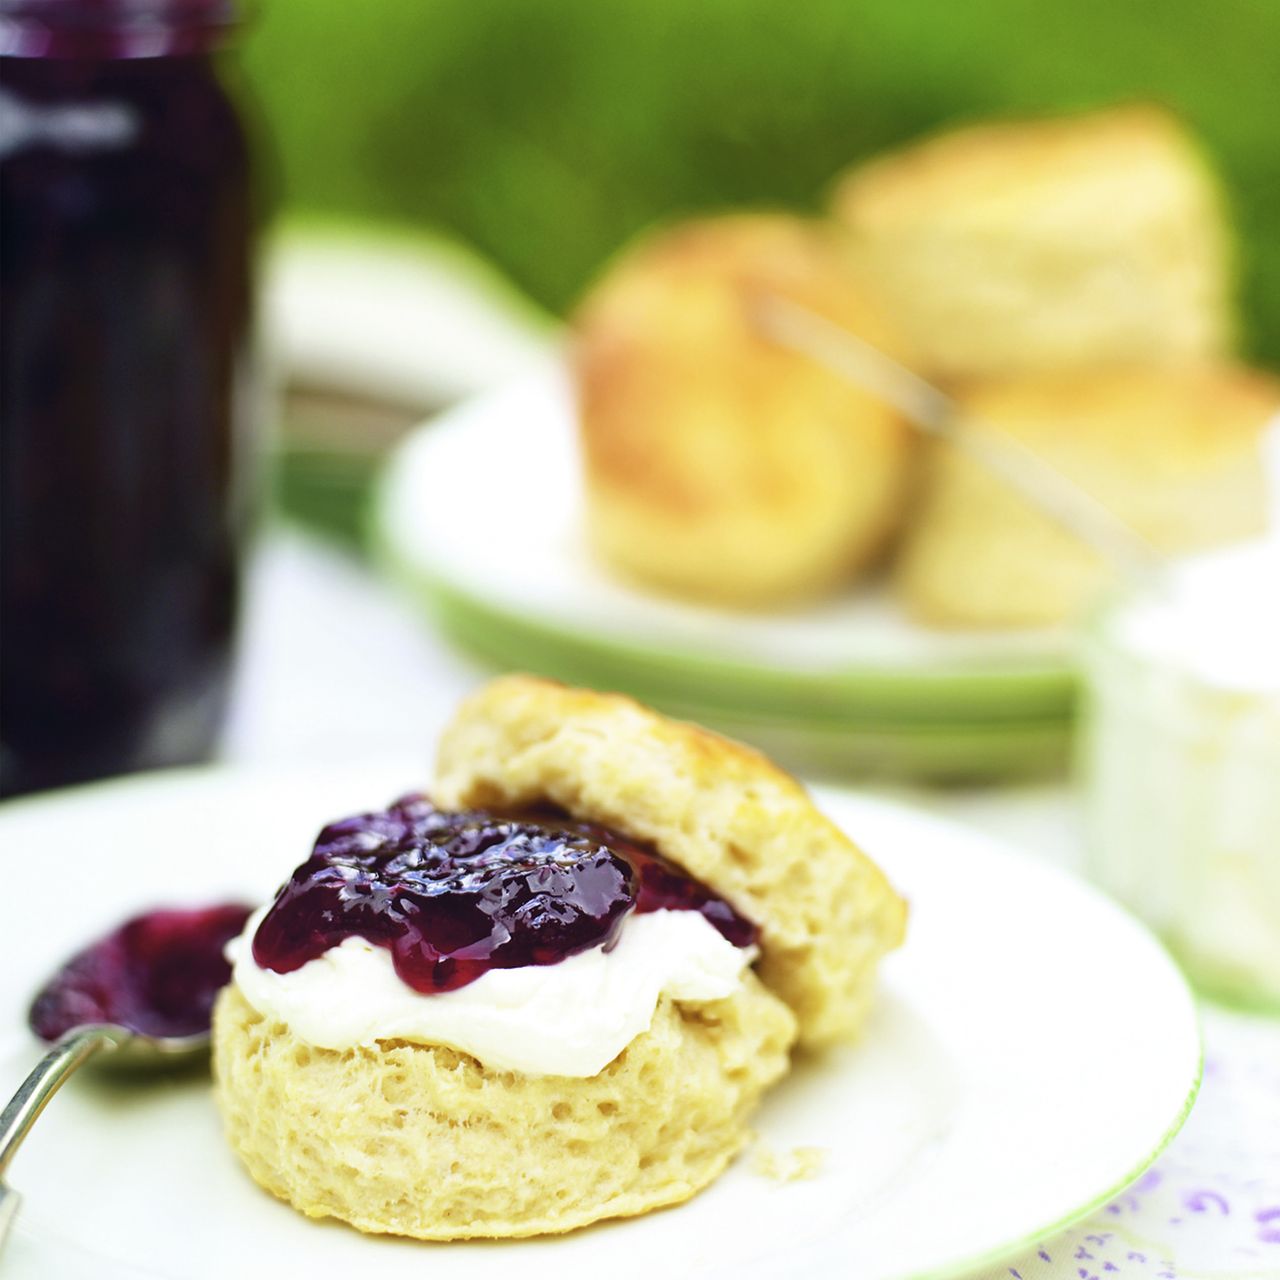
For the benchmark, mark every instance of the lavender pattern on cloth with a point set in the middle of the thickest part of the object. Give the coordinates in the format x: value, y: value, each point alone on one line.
x: 1209, y: 1209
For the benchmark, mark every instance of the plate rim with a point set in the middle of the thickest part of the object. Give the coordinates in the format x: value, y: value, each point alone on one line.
x: 1001, y: 1253
x: 849, y: 695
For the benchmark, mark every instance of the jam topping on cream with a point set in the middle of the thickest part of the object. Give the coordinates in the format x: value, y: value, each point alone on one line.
x: 454, y: 895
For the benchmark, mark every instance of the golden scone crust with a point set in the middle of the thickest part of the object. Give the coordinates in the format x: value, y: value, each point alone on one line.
x: 718, y: 465
x: 420, y: 1140
x: 1041, y: 245
x: 717, y: 808
x: 1177, y: 455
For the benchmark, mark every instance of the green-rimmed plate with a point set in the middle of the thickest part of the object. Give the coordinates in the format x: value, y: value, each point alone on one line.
x: 480, y: 514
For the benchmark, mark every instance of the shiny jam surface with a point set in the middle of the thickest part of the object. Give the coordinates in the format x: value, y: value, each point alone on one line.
x: 453, y: 895
x: 158, y: 974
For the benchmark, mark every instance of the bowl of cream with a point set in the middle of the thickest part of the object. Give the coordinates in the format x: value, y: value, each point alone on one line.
x: 1180, y: 753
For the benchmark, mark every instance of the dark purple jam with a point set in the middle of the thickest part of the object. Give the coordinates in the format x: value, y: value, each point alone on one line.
x: 158, y: 974
x: 453, y: 895
x: 126, y: 224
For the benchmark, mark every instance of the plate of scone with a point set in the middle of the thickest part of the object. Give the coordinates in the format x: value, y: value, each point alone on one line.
x: 684, y: 510
x: 607, y: 994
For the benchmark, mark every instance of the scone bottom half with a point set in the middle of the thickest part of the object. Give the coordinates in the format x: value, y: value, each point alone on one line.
x: 426, y: 1141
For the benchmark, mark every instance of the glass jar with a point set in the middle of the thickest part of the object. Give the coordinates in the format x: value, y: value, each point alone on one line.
x: 1181, y: 762
x: 126, y: 228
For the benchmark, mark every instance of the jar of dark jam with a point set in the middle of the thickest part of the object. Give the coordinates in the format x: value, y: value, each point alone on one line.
x: 125, y: 262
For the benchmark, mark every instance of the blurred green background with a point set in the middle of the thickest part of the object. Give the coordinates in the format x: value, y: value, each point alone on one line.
x: 547, y: 131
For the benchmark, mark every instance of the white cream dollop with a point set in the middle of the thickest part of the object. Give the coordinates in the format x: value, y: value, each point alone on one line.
x: 1216, y: 616
x: 566, y: 1019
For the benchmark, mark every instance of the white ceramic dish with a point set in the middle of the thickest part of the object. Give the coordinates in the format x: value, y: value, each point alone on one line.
x: 1032, y: 1051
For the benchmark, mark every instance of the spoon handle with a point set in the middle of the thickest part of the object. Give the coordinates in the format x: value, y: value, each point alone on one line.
x: 33, y: 1094
x: 933, y: 412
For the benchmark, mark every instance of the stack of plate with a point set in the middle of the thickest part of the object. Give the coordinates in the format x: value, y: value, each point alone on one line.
x: 480, y: 515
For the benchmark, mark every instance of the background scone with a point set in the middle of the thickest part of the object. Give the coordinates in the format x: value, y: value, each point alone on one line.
x: 1177, y: 455
x: 1043, y: 245
x: 717, y: 464
x: 416, y: 1138
x: 719, y: 809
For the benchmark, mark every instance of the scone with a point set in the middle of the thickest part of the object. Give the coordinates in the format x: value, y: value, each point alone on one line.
x: 718, y: 465
x: 1177, y: 455
x: 1035, y: 246
x: 554, y: 993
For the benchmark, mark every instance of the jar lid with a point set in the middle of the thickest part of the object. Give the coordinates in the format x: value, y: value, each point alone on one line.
x: 112, y: 28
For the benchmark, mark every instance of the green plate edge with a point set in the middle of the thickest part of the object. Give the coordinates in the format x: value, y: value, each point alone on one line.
x: 829, y: 727
x: 834, y: 749
x: 1000, y: 1254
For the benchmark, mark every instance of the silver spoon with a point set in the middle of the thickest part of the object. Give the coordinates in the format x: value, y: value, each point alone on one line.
x: 123, y: 1049
x: 182, y: 952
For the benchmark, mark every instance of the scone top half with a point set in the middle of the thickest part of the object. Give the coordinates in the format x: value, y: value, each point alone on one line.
x: 718, y: 809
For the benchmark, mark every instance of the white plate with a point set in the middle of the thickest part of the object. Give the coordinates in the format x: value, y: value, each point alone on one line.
x: 1032, y: 1050
x: 504, y: 469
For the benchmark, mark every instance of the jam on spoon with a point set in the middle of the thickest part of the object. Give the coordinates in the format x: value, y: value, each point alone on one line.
x: 453, y: 895
x: 157, y: 975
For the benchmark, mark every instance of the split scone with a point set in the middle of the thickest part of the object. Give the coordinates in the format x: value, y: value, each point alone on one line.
x: 555, y: 992
x: 1043, y: 245
x: 719, y: 465
x: 1176, y: 455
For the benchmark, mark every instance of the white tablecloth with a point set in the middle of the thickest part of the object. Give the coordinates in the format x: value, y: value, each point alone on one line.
x: 335, y: 667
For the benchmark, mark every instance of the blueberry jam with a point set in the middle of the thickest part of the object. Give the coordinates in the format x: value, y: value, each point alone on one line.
x: 453, y: 895
x: 127, y: 219
x: 158, y: 974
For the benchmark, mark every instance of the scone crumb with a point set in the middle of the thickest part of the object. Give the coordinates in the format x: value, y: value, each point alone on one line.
x: 800, y: 1164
